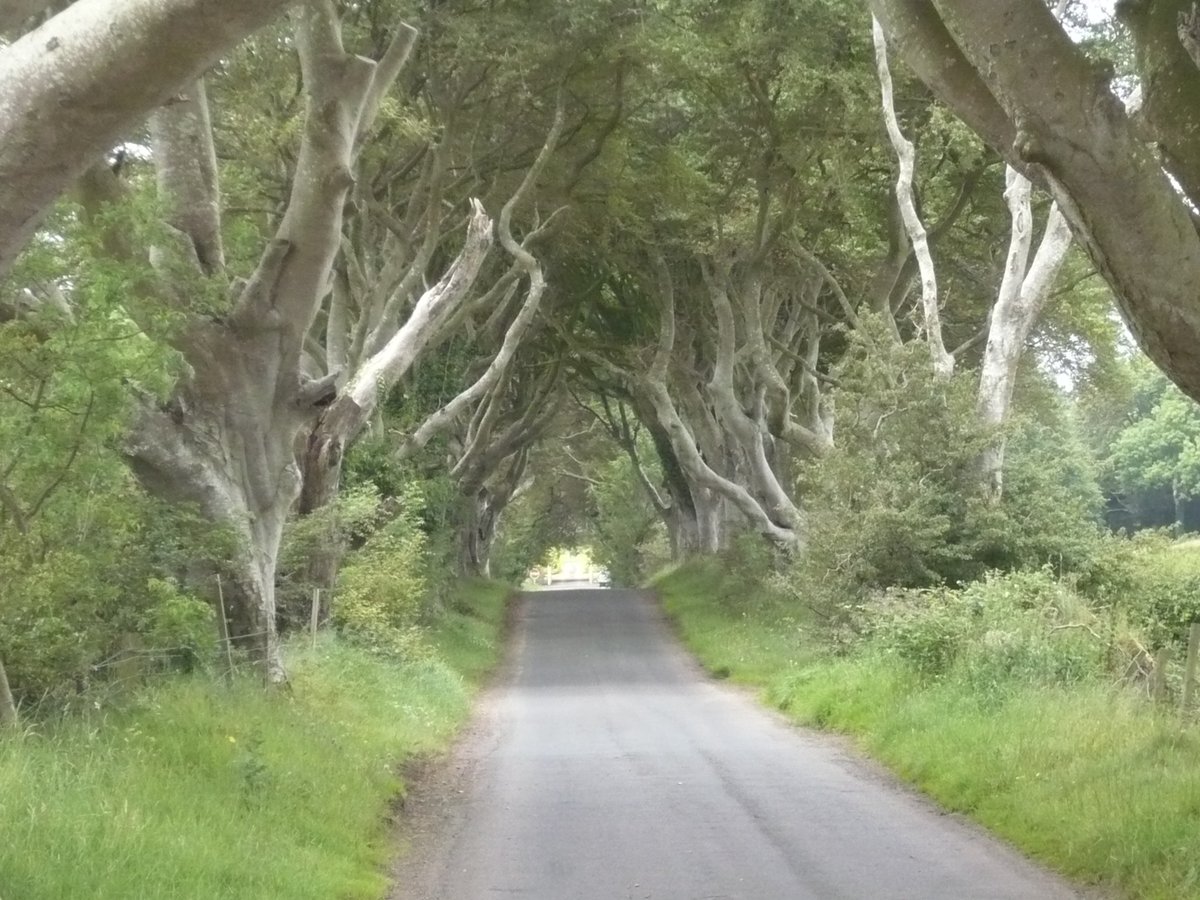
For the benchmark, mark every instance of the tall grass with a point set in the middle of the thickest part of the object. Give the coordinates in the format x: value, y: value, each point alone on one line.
x: 197, y: 789
x: 1087, y: 777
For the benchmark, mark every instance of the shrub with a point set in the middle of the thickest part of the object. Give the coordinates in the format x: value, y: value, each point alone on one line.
x: 892, y: 506
x: 381, y: 590
x: 1008, y: 629
x: 179, y: 624
x: 1149, y: 579
x: 927, y: 629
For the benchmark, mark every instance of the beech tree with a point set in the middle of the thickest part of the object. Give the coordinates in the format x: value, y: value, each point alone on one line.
x: 1023, y: 292
x: 75, y: 86
x: 1128, y: 184
x: 226, y: 439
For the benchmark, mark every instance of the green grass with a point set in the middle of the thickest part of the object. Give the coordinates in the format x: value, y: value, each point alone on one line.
x: 1091, y: 780
x: 199, y: 790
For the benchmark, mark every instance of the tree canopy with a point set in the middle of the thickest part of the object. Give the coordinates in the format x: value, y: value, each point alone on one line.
x: 285, y: 285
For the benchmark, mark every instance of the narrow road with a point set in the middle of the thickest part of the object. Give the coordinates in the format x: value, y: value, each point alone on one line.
x: 605, y: 766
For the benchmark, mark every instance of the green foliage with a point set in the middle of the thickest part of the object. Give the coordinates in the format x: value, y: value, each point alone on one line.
x: 180, y: 625
x: 332, y: 530
x: 1019, y: 628
x: 1160, y: 449
x: 88, y: 565
x: 899, y: 501
x: 626, y: 533
x: 66, y: 609
x: 196, y: 789
x: 554, y: 512
x: 1154, y: 583
x: 382, y: 589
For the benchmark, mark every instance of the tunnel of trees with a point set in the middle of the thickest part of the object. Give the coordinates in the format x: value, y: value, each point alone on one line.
x: 315, y: 295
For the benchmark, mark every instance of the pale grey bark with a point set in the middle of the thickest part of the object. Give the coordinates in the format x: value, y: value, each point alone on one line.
x: 491, y: 457
x: 343, y: 419
x: 384, y: 368
x: 72, y: 88
x: 922, y: 40
x: 525, y: 261
x: 1023, y: 294
x: 943, y: 362
x: 1078, y: 140
x: 185, y: 161
x: 226, y: 440
x: 683, y: 443
x: 749, y: 433
x: 16, y: 13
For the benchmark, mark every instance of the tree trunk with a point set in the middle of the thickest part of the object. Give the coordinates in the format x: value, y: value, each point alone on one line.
x: 683, y: 532
x: 321, y: 477
x: 1022, y: 297
x: 943, y: 362
x: 8, y: 709
x: 72, y: 89
x: 711, y: 513
x: 226, y: 443
x: 227, y: 440
x: 340, y: 423
x: 476, y: 535
x: 989, y: 62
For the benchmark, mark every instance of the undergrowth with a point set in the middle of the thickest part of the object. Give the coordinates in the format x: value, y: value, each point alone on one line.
x: 198, y: 789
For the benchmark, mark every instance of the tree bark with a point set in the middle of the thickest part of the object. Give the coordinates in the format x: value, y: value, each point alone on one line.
x: 1170, y: 83
x: 701, y: 475
x: 227, y: 439
x: 1024, y: 291
x: 74, y: 87
x: 749, y: 434
x: 494, y: 373
x: 476, y: 535
x: 16, y: 13
x: 943, y: 362
x: 341, y: 422
x: 1077, y: 140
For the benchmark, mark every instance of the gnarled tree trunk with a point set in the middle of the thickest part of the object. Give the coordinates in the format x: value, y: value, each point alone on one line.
x: 477, y: 532
x: 227, y: 439
x: 226, y: 443
x: 989, y: 62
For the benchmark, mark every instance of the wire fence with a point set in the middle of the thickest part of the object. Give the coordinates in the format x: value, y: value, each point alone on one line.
x: 97, y: 684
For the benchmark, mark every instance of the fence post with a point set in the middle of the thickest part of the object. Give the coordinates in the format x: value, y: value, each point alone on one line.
x: 316, y: 611
x: 1158, y: 684
x: 1189, y: 672
x: 223, y: 630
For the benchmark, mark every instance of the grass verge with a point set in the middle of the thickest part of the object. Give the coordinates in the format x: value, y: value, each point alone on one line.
x: 1092, y: 781
x: 200, y: 790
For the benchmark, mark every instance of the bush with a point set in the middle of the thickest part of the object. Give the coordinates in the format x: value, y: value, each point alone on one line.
x: 1155, y: 582
x: 382, y: 588
x: 892, y: 506
x: 1010, y: 629
x: 180, y: 625
x: 925, y: 628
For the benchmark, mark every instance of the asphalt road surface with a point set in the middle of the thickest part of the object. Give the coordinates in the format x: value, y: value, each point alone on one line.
x: 605, y: 766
